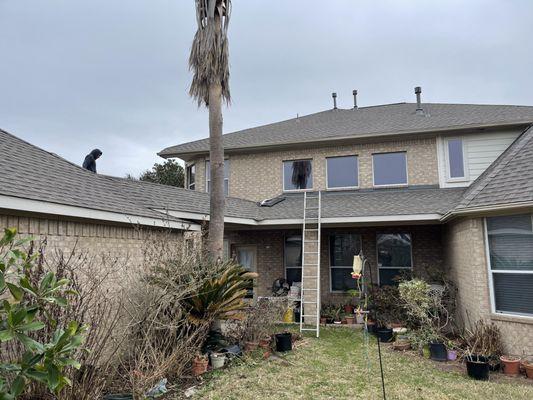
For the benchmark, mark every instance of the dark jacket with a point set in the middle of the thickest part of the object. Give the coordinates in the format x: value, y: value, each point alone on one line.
x: 90, y: 160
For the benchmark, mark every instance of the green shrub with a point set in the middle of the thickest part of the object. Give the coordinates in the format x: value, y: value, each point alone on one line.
x: 24, y: 311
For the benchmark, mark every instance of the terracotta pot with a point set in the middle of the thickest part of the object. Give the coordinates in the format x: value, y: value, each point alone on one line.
x: 265, y: 343
x: 348, y: 309
x: 199, y: 366
x: 401, y: 345
x: 529, y: 370
x: 511, y: 365
x: 323, y: 320
x: 344, y: 322
x: 350, y: 320
x: 250, y: 346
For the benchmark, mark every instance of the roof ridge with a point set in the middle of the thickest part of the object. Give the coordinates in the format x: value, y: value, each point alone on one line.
x: 495, y: 168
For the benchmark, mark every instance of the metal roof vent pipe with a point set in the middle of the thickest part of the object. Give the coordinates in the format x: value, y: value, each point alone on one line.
x: 334, y: 95
x: 419, y: 109
x: 354, y: 92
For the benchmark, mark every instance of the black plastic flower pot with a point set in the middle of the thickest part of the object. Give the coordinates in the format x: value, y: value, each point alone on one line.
x: 284, y: 341
x: 385, y: 335
x: 437, y: 351
x: 477, y: 367
x: 118, y: 396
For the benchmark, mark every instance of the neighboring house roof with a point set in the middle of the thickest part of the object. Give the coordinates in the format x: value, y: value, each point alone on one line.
x: 36, y: 177
x: 507, y: 182
x: 391, y: 119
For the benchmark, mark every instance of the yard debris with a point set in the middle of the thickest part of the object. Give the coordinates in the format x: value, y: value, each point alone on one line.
x: 158, y: 390
x: 190, y: 392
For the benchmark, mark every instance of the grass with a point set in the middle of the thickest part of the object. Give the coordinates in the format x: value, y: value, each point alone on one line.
x: 335, y: 367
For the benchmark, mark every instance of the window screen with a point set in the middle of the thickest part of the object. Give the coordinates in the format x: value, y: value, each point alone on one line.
x: 293, y: 258
x: 394, y: 257
x: 208, y: 177
x: 297, y: 175
x: 342, y: 248
x: 191, y: 177
x: 455, y: 158
x: 390, y: 169
x: 342, y: 172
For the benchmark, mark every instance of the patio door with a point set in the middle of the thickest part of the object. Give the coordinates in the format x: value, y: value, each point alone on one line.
x: 247, y: 257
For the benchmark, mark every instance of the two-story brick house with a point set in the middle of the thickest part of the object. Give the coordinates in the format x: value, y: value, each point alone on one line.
x: 416, y: 187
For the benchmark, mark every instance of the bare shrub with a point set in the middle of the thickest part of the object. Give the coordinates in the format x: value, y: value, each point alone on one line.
x: 261, y: 319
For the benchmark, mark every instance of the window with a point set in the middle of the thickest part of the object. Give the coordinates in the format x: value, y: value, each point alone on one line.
x: 191, y: 177
x: 208, y: 177
x: 342, y: 172
x: 394, y: 257
x: 293, y: 258
x: 297, y: 175
x: 510, y: 244
x: 342, y: 248
x: 455, y: 159
x: 390, y: 169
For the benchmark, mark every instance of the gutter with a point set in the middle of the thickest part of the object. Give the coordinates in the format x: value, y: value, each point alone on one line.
x: 486, y: 209
x: 44, y: 207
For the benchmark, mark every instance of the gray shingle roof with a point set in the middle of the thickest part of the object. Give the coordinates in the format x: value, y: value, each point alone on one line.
x: 508, y: 180
x: 377, y: 120
x: 369, y: 203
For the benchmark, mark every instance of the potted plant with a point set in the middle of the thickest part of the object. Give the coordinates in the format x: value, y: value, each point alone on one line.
x: 477, y: 367
x: 199, y: 364
x: 218, y: 360
x: 350, y: 319
x: 348, y: 308
x: 527, y: 363
x: 283, y: 341
x: 484, y: 340
x: 337, y: 315
x: 451, y: 351
x: 511, y: 365
x: 265, y: 343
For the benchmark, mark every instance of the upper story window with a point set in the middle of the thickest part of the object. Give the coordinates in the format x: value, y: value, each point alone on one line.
x: 191, y: 177
x: 343, y: 172
x: 297, y: 175
x: 455, y: 160
x: 208, y: 177
x: 342, y: 248
x: 510, y: 245
x: 390, y: 169
x: 395, y: 258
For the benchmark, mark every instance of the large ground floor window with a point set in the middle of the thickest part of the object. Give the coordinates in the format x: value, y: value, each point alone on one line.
x: 395, y: 257
x: 510, y: 246
x: 293, y: 258
x: 342, y: 248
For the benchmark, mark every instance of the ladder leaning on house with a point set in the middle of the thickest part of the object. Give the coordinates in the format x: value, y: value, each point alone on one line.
x: 310, y: 290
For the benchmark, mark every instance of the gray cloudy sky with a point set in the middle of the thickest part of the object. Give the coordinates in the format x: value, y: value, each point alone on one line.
x: 79, y: 74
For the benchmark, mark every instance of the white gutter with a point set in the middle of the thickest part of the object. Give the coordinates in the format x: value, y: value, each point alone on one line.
x: 484, y: 209
x: 299, y: 221
x: 44, y: 207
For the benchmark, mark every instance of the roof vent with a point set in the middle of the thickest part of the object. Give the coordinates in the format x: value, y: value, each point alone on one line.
x: 354, y: 92
x: 271, y: 202
x: 334, y: 95
x: 418, y: 92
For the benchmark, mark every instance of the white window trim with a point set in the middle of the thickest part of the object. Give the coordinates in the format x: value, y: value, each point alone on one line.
x: 393, y: 184
x: 283, y: 176
x: 187, y: 176
x: 338, y: 266
x: 285, y: 268
x: 447, y: 170
x: 491, y: 281
x: 342, y: 187
x: 411, y: 268
x: 209, y: 180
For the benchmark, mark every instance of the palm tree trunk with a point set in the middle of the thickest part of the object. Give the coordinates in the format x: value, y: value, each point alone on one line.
x: 216, y: 156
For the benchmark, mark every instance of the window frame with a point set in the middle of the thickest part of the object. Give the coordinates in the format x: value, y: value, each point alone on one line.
x: 447, y: 166
x: 490, y: 272
x: 411, y: 268
x: 188, y: 168
x: 340, y: 267
x: 226, y: 160
x: 283, y: 175
x: 343, y: 187
x: 390, y: 184
x: 285, y: 268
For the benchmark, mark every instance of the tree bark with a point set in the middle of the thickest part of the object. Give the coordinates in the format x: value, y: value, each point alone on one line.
x: 216, y: 158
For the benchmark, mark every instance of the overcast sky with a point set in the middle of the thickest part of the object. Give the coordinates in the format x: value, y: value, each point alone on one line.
x: 112, y: 74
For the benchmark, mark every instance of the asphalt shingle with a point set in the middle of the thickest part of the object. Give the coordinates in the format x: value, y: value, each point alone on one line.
x: 376, y: 120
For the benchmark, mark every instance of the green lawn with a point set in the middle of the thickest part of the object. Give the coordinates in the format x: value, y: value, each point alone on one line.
x: 335, y: 367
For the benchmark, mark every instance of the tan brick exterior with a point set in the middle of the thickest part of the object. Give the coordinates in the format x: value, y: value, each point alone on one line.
x: 465, y: 258
x: 426, y: 239
x: 123, y: 242
x: 257, y: 176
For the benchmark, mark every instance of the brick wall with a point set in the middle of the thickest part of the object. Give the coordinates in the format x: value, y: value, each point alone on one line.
x: 426, y: 239
x: 121, y: 241
x: 466, y: 261
x: 257, y: 176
